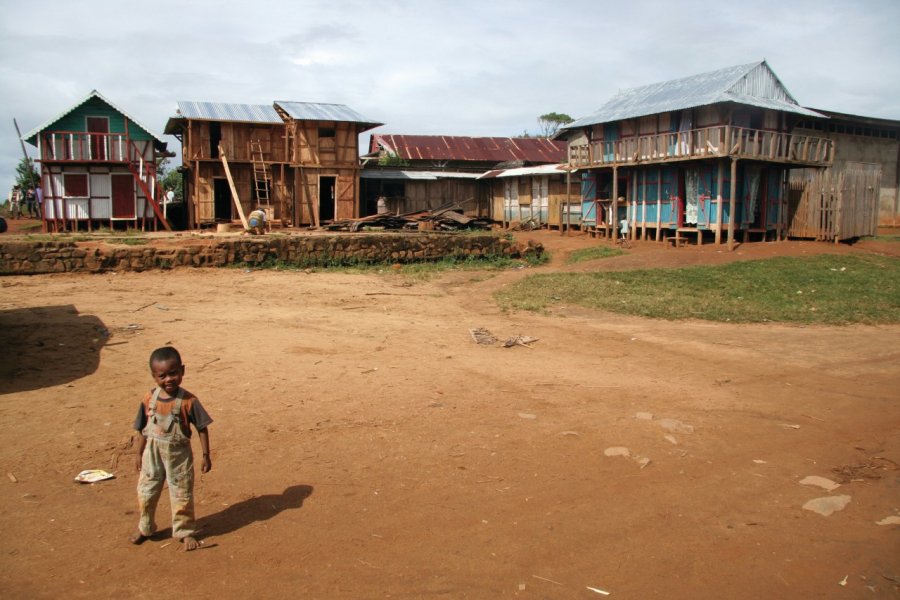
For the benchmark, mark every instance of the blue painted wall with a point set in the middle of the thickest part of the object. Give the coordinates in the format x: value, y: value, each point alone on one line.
x: 668, y: 181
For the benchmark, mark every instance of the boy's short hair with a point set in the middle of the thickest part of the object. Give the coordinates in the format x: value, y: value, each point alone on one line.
x: 163, y: 354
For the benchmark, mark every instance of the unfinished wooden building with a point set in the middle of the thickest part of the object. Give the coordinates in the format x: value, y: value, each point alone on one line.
x: 702, y: 155
x: 298, y: 161
x: 425, y: 172
x: 98, y: 169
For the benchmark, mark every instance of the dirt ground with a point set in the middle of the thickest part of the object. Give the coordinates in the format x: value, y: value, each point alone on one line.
x: 365, y: 447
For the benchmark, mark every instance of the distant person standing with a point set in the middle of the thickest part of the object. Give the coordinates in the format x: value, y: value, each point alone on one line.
x: 15, y: 201
x: 29, y: 203
x: 623, y: 228
x: 39, y: 201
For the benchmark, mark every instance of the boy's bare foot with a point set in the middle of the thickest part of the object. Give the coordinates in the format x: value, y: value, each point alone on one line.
x: 137, y: 537
x: 190, y: 543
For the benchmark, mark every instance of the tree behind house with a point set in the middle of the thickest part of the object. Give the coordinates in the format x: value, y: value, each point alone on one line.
x: 552, y: 121
x: 170, y: 179
x: 24, y: 178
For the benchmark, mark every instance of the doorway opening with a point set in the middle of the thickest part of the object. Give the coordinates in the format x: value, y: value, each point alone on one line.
x: 326, y: 199
x: 215, y: 136
x: 222, y: 199
x: 98, y: 125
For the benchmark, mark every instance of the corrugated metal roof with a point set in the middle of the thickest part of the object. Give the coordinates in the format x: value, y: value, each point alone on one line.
x: 221, y: 111
x: 480, y: 149
x: 31, y: 136
x: 418, y: 175
x: 525, y: 171
x: 753, y: 84
x: 877, y: 121
x: 312, y: 111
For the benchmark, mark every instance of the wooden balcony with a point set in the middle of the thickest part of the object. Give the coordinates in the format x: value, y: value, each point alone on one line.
x: 710, y: 142
x: 80, y: 146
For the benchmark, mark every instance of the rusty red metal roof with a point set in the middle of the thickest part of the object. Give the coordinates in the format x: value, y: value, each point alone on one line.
x: 460, y: 148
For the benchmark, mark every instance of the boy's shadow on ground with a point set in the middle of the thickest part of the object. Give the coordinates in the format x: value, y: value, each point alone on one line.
x: 260, y: 508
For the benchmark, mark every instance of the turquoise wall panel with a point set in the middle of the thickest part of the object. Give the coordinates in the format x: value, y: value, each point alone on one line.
x: 589, y: 212
x: 588, y: 186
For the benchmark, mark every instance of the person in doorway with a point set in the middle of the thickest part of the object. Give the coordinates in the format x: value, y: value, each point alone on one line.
x: 164, y: 452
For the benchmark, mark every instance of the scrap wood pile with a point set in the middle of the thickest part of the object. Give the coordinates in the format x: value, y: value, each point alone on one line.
x: 440, y: 219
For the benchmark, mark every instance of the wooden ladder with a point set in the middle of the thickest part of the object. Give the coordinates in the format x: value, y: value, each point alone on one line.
x: 262, y: 180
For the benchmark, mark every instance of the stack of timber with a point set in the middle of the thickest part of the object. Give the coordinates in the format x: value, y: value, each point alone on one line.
x: 441, y: 219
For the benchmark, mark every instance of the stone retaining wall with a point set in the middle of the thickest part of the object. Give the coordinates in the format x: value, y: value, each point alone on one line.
x: 31, y: 257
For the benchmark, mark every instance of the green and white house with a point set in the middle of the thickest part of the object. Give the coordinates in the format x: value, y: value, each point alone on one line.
x: 98, y: 169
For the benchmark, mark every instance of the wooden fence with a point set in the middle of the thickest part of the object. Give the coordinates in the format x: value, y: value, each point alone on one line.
x: 833, y: 205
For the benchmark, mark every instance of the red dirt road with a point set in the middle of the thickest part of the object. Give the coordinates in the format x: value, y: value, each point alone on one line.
x: 365, y: 447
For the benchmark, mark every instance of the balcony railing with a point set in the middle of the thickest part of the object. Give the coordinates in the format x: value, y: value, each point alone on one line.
x: 80, y: 146
x: 709, y: 142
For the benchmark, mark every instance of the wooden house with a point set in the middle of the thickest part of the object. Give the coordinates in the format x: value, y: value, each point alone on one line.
x: 98, y: 168
x: 706, y: 154
x: 424, y: 172
x: 324, y: 155
x: 298, y: 161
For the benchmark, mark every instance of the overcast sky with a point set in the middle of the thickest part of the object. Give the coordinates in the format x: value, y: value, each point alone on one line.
x: 463, y: 67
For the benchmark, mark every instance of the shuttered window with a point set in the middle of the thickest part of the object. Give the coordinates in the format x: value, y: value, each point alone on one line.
x: 76, y: 185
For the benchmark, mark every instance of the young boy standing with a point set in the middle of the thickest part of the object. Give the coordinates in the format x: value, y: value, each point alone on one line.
x: 164, y: 451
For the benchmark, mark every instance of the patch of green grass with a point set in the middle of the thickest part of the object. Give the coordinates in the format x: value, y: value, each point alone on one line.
x: 416, y: 270
x: 893, y: 237
x: 425, y: 270
x: 131, y: 237
x: 129, y: 241
x: 821, y: 289
x: 593, y: 253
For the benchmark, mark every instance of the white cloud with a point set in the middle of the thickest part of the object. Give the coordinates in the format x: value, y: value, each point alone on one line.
x: 325, y: 58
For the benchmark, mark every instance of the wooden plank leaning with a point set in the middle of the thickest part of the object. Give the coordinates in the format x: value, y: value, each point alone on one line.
x: 234, y: 194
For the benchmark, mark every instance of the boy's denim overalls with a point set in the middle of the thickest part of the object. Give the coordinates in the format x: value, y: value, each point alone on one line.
x: 167, y: 457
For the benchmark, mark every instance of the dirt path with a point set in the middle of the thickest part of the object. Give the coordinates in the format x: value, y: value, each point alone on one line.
x: 365, y: 447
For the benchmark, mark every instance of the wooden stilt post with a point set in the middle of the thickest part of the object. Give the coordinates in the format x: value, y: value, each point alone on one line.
x: 732, y: 204
x: 568, y: 197
x: 644, y: 204
x: 720, y: 181
x: 783, y: 204
x: 194, y: 200
x: 614, y: 216
x: 633, y: 189
x: 659, y: 204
